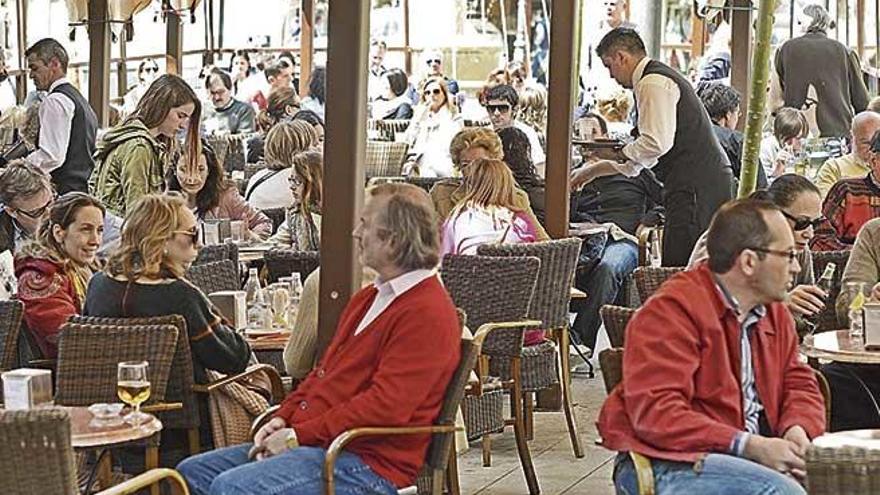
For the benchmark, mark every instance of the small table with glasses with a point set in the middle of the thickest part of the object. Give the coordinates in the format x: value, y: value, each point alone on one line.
x: 838, y: 346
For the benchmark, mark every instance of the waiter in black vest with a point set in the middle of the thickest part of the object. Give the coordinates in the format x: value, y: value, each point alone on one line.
x: 674, y: 138
x: 67, y: 122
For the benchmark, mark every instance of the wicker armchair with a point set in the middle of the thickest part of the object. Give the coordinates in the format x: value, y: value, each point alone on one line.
x: 215, y: 276
x: 843, y: 471
x: 277, y: 215
x: 828, y: 318
x: 217, y: 252
x: 181, y: 385
x: 282, y: 262
x: 550, y: 305
x: 384, y: 158
x: 477, y: 123
x: 648, y: 279
x: 425, y: 183
x: 10, y: 330
x: 37, y: 457
x: 389, y: 129
x: 615, y: 319
x: 495, y: 292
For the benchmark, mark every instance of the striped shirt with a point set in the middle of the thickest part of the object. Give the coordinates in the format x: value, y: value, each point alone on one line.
x: 849, y: 204
x: 752, y: 406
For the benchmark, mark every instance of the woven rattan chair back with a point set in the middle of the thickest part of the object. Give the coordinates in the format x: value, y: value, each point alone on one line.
x: 37, y: 456
x: 477, y: 123
x: 842, y: 471
x: 442, y: 443
x: 555, y: 279
x: 217, y: 252
x: 180, y: 379
x: 215, y: 276
x: 389, y: 129
x: 384, y: 158
x: 277, y: 215
x: 10, y: 331
x: 650, y: 278
x: 88, y: 355
x: 611, y: 362
x: 492, y: 289
x: 283, y: 262
x: 828, y: 317
x: 615, y: 319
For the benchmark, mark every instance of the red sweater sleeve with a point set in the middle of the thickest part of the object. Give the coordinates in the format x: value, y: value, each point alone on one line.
x: 417, y: 357
x: 660, y: 360
x: 827, y: 237
x: 802, y: 402
x: 48, y: 304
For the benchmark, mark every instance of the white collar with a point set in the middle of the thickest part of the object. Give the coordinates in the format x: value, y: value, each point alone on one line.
x: 57, y: 83
x: 402, y: 283
x: 639, y: 71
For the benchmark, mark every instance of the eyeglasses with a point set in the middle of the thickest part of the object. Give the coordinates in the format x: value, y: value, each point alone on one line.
x: 192, y: 233
x: 804, y: 223
x: 791, y: 255
x: 435, y: 91
x: 497, y: 108
x: 434, y: 61
x: 151, y: 69
x: 36, y: 213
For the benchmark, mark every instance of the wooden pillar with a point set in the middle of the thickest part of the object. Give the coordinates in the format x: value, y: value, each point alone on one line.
x: 860, y: 28
x: 698, y: 36
x: 173, y: 44
x: 344, y: 151
x: 21, y: 24
x: 306, y: 40
x: 407, y: 53
x: 99, y: 61
x: 122, y: 67
x: 741, y: 51
x: 561, y: 91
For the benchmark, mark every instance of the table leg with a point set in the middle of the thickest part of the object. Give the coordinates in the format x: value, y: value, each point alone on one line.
x: 151, y: 461
x: 105, y: 470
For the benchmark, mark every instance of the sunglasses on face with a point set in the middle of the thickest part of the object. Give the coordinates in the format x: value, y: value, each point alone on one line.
x: 497, y: 108
x: 192, y: 234
x: 803, y: 223
x: 150, y: 69
x: 435, y: 91
x: 434, y: 61
x: 37, y: 212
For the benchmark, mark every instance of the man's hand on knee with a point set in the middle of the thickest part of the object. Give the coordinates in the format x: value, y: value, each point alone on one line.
x: 778, y: 454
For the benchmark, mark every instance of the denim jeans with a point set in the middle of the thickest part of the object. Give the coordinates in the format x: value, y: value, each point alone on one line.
x: 602, y: 285
x: 297, y: 471
x: 718, y: 474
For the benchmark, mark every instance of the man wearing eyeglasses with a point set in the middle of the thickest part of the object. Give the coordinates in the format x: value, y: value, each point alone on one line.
x: 857, y: 162
x: 713, y: 391
x: 26, y: 194
x: 849, y: 205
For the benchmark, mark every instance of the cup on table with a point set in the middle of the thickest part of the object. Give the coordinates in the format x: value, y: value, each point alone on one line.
x: 133, y: 388
x: 237, y: 230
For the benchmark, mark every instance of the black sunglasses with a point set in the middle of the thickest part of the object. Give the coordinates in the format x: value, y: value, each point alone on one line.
x: 194, y: 234
x: 37, y: 212
x: 434, y: 61
x: 497, y: 108
x: 804, y: 223
x: 435, y: 91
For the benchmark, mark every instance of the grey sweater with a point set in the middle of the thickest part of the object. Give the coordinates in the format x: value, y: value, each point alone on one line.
x: 863, y: 265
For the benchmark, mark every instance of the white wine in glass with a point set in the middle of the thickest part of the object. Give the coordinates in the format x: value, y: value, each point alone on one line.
x: 133, y: 388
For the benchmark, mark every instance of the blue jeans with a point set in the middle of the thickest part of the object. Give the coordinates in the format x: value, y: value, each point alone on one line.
x: 297, y: 471
x: 602, y: 285
x: 718, y: 474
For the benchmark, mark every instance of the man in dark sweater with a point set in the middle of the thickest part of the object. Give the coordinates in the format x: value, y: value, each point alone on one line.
x: 68, y: 124
x: 626, y: 202
x: 387, y: 365
x: 229, y: 115
x: 674, y: 138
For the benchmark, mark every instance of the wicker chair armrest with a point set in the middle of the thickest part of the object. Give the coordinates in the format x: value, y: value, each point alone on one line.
x: 263, y: 418
x: 644, y: 473
x: 644, y: 245
x: 149, y: 478
x: 162, y: 407
x: 47, y: 364
x: 346, y: 437
x: 271, y: 372
x: 487, y: 328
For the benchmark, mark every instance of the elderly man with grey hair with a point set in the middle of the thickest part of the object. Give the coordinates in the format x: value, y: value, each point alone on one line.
x: 857, y: 162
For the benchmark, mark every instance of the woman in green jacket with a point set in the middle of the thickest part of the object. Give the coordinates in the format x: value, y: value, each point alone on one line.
x: 132, y: 158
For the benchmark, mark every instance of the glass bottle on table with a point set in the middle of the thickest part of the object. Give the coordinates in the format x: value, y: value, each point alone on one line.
x: 133, y: 388
x: 825, y: 282
x: 257, y: 306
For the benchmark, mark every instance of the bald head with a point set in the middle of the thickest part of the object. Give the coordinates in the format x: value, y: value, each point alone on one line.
x: 864, y: 126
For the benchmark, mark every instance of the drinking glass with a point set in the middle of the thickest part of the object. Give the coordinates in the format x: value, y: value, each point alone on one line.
x: 280, y: 299
x: 237, y: 231
x: 857, y: 295
x: 133, y: 388
x: 296, y: 286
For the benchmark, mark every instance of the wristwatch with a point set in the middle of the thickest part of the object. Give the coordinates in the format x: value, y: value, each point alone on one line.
x: 291, y: 441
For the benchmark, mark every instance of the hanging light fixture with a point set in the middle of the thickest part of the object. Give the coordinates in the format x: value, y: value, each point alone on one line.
x: 180, y: 6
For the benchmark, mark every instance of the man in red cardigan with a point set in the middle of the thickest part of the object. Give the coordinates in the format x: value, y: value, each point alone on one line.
x: 396, y: 347
x: 713, y: 391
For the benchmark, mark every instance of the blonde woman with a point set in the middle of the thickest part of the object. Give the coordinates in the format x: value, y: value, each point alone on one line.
x: 435, y: 122
x: 301, y: 229
x: 488, y: 212
x: 54, y: 269
x: 132, y: 158
x: 144, y: 277
x: 269, y: 188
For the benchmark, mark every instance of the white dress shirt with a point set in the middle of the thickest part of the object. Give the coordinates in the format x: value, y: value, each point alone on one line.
x: 389, y: 291
x: 56, y: 118
x: 656, y: 100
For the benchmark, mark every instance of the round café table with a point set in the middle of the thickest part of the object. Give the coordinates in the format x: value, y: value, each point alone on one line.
x: 838, y: 346
x: 866, y: 439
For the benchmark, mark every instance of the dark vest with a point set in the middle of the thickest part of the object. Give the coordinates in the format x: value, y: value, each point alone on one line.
x: 696, y: 157
x: 73, y: 174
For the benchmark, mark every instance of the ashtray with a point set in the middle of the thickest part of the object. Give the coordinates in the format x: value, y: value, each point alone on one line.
x: 106, y: 411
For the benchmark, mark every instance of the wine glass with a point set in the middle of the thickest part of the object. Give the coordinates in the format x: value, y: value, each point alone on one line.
x: 133, y: 388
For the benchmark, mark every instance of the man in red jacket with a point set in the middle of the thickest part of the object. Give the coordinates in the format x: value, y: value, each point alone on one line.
x: 395, y: 349
x: 713, y: 391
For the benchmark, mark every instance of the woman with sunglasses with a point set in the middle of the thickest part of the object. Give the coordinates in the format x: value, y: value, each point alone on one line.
x: 145, y: 277
x: 435, y: 122
x: 801, y: 204
x: 301, y: 230
x: 54, y: 269
x: 211, y: 197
